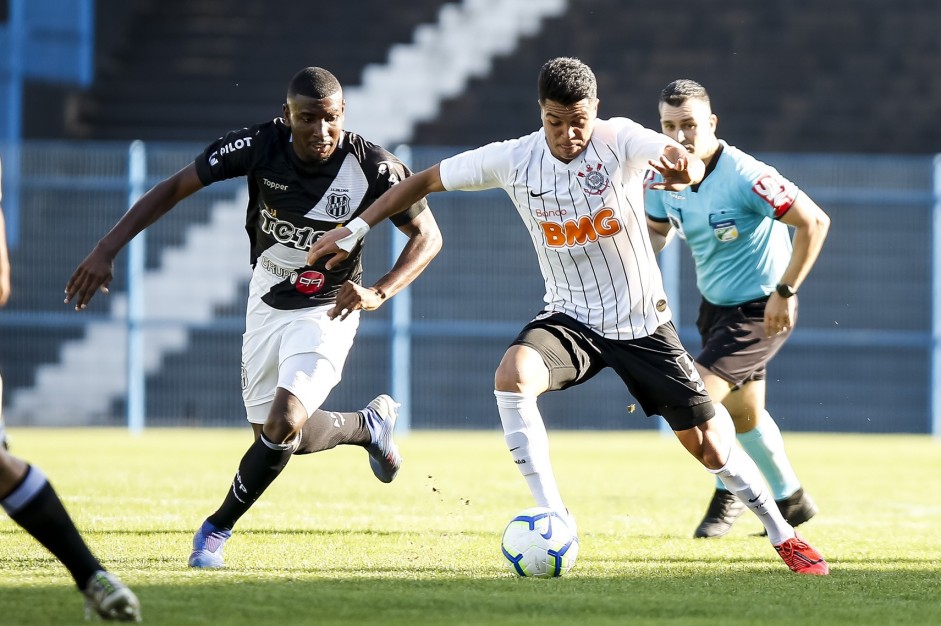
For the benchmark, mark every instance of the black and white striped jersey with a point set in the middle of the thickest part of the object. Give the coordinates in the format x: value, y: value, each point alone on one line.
x: 586, y: 220
x: 292, y: 203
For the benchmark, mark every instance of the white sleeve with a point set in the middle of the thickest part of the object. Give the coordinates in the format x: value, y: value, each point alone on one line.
x: 486, y: 167
x: 640, y: 144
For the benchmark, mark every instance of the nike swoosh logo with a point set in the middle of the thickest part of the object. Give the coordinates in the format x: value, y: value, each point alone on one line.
x: 533, y: 194
x: 755, y: 499
x: 516, y: 448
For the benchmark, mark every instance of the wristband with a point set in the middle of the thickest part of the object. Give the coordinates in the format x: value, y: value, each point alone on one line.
x: 358, y: 229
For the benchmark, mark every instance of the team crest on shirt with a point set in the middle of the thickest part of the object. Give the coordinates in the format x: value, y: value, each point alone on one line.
x: 338, y: 205
x: 595, y: 181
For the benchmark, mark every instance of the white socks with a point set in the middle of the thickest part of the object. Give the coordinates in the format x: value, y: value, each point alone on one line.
x: 740, y: 476
x: 528, y: 442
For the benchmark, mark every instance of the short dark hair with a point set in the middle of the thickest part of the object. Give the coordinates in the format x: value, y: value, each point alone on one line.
x: 313, y: 82
x: 566, y: 80
x: 679, y: 91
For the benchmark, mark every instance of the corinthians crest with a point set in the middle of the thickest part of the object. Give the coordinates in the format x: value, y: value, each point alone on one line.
x: 338, y: 205
x: 595, y: 181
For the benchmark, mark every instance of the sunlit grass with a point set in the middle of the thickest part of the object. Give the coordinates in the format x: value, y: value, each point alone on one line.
x: 328, y: 544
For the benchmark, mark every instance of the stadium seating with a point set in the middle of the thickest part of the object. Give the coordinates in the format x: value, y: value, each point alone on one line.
x: 191, y: 69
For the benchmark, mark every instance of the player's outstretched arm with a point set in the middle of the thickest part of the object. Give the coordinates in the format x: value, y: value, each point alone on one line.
x: 340, y: 241
x: 97, y: 270
x: 424, y: 243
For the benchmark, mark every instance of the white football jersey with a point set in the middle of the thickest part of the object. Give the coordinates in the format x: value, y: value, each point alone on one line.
x: 586, y: 220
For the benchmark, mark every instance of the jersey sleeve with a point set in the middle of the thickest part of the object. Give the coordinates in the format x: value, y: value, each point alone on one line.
x: 768, y: 192
x: 230, y: 156
x: 389, y: 172
x: 486, y: 167
x: 640, y: 144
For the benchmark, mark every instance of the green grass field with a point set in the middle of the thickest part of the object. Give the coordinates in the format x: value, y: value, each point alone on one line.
x: 328, y: 544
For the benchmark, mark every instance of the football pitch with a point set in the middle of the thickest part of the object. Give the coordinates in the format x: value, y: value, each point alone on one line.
x: 328, y: 544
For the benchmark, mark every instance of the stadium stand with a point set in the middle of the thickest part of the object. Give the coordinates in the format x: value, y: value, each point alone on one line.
x: 786, y: 75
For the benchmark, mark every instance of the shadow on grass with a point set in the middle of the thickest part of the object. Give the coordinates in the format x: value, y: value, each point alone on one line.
x: 393, y: 596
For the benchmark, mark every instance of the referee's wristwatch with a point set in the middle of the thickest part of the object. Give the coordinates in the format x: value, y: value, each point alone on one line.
x: 785, y: 291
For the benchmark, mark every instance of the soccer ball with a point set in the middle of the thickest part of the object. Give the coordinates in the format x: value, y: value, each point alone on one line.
x: 538, y: 542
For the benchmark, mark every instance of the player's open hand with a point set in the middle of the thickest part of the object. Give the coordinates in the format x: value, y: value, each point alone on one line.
x: 353, y: 297
x: 673, y: 166
x: 326, y: 244
x: 93, y: 274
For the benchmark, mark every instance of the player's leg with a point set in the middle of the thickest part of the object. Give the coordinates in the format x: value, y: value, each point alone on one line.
x: 663, y: 378
x: 550, y: 353
x: 3, y: 431
x: 732, y: 363
x: 29, y: 499
x: 725, y: 507
x: 304, y: 381
x: 761, y: 438
x: 264, y: 460
x: 519, y: 379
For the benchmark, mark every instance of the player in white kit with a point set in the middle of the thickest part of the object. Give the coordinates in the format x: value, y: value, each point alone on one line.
x: 578, y: 185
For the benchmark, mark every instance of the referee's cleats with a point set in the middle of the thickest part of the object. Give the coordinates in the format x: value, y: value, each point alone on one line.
x: 108, y: 598
x: 384, y: 457
x: 724, y: 509
x: 797, y: 508
x: 207, y: 546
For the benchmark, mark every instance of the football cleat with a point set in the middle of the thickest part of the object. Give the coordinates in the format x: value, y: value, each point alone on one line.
x: 207, y: 546
x: 797, y: 508
x: 108, y: 598
x: 802, y: 558
x: 723, y: 510
x: 384, y: 457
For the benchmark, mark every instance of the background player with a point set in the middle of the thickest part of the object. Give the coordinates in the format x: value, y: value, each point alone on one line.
x: 305, y: 175
x: 578, y: 185
x: 29, y: 499
x: 735, y: 222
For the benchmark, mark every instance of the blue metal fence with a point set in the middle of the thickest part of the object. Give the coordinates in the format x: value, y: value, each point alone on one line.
x: 862, y: 359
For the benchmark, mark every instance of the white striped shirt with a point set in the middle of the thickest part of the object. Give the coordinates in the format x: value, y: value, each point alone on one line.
x: 586, y: 220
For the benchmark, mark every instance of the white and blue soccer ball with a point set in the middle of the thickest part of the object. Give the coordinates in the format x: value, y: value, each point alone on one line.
x: 538, y: 542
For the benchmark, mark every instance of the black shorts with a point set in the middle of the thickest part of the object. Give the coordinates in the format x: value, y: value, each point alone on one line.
x: 657, y: 370
x: 734, y: 344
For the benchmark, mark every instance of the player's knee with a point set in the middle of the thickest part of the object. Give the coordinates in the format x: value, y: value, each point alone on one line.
x: 521, y: 371
x: 285, y: 419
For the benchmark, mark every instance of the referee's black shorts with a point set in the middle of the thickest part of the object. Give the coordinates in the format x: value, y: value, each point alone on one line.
x: 657, y: 370
x: 734, y: 344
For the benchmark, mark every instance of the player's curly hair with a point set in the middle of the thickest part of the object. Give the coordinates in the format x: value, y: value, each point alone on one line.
x: 313, y: 82
x: 679, y: 91
x: 566, y: 80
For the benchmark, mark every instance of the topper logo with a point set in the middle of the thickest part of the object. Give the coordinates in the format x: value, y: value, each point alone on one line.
x: 578, y: 232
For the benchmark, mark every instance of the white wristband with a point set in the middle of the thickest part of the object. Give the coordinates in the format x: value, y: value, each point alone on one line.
x: 358, y: 229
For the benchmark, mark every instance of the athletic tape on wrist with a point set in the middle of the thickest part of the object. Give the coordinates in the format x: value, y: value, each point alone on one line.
x: 358, y: 229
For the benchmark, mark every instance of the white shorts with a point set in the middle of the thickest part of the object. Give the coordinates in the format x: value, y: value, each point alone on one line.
x: 302, y: 351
